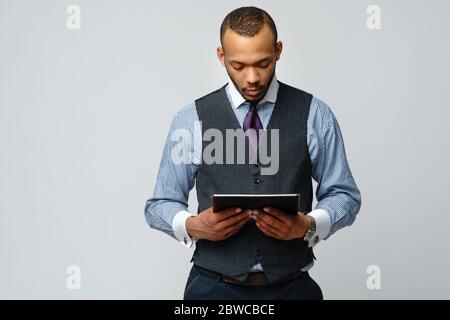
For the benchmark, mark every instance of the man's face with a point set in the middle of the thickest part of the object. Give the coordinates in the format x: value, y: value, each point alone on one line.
x: 250, y: 61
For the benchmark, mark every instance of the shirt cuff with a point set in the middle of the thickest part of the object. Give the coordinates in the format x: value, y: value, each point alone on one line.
x: 179, y: 228
x: 323, y: 226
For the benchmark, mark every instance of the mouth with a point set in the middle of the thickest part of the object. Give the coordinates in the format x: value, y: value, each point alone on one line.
x: 253, y: 92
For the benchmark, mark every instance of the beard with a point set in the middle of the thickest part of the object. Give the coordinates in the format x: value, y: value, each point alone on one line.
x: 263, y: 93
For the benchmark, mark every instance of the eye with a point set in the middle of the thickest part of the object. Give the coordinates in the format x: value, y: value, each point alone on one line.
x: 237, y: 68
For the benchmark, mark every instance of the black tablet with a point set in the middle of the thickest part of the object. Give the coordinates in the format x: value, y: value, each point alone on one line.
x: 286, y: 202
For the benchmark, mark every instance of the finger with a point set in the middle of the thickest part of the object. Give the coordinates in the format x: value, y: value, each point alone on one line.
x: 229, y: 234
x: 231, y: 230
x: 237, y: 224
x: 266, y: 231
x: 270, y: 220
x: 232, y: 220
x: 235, y: 227
x: 267, y: 226
x: 226, y: 213
x: 277, y: 213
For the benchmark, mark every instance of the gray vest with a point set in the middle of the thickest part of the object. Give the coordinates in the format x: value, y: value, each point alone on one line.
x: 236, y: 255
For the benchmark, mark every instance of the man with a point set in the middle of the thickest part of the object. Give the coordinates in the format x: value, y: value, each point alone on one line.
x: 254, y: 253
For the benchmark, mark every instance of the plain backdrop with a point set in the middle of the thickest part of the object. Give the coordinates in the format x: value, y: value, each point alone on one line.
x: 84, y: 115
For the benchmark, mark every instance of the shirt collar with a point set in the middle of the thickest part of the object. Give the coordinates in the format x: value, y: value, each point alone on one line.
x: 237, y: 100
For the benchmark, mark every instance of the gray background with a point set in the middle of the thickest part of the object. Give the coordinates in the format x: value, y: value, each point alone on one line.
x: 84, y: 115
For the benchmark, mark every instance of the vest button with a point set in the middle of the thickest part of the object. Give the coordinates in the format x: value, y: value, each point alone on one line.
x: 257, y: 181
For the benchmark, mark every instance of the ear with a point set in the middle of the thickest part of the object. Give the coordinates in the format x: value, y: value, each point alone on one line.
x: 221, y: 55
x: 278, y: 49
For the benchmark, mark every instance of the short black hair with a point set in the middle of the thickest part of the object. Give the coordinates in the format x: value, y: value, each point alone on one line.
x: 248, y: 21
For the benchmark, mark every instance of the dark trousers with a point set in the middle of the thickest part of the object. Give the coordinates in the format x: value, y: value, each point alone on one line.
x: 204, y: 284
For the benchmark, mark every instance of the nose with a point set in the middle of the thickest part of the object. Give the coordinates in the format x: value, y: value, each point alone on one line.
x: 252, y: 76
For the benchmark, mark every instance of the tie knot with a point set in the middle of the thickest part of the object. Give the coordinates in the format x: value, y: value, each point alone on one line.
x: 253, y: 106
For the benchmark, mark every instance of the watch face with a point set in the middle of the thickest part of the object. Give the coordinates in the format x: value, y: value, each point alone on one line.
x: 311, y: 224
x: 308, y: 235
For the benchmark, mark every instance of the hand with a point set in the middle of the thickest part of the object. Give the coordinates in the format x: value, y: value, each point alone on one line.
x: 217, y: 225
x: 275, y: 223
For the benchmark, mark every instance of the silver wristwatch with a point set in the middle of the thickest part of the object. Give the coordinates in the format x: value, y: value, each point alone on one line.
x: 311, y: 228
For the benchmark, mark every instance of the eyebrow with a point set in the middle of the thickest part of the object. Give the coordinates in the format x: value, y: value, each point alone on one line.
x: 264, y: 59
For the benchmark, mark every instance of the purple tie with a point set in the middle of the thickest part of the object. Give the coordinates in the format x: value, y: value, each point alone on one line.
x: 252, y: 121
